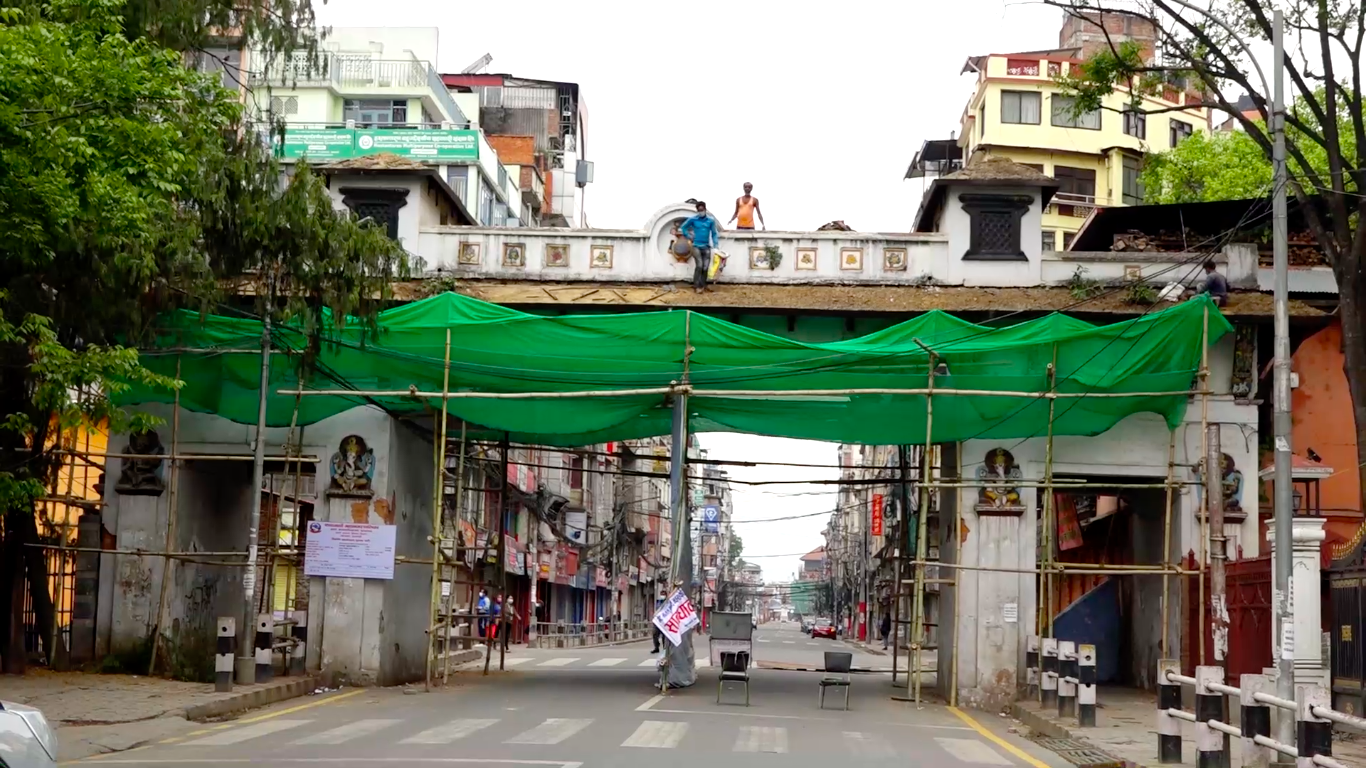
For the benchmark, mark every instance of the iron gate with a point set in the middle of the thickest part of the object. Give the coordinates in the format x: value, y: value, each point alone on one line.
x: 1345, y: 590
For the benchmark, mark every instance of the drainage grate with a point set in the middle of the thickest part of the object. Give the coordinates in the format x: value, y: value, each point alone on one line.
x: 1080, y: 753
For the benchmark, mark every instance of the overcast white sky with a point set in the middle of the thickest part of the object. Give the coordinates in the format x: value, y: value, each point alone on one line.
x: 820, y: 105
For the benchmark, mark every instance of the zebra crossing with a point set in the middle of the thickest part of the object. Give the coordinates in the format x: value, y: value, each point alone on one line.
x: 648, y: 734
x: 579, y: 662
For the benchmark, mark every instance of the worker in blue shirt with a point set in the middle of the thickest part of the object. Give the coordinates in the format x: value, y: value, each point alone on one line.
x: 703, y: 230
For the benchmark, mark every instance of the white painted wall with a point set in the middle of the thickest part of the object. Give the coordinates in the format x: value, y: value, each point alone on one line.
x: 410, y: 217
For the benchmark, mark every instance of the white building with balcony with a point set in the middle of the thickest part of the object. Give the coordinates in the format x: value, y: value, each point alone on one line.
x: 376, y: 91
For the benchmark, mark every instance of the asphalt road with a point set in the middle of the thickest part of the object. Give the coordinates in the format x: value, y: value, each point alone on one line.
x: 598, y: 707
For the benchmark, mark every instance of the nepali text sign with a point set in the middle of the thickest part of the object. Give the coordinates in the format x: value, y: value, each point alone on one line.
x: 317, y: 143
x: 350, y: 550
x: 877, y: 514
x: 438, y: 146
x: 419, y: 145
x: 676, y: 616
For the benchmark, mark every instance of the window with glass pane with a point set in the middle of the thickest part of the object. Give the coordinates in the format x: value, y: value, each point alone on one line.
x: 1064, y: 115
x: 369, y: 113
x: 1067, y: 238
x: 1020, y: 107
x: 1049, y: 241
x: 1075, y: 184
x: 1136, y: 123
x: 1179, y: 132
x: 1133, y: 182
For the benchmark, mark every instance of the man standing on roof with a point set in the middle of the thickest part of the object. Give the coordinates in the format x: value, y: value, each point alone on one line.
x: 746, y: 208
x: 703, y: 230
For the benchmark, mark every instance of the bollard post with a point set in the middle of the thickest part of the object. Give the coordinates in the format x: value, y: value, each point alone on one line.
x: 1255, y: 721
x: 223, y: 654
x: 1048, y: 678
x: 1168, y: 698
x: 300, y: 634
x: 1209, y: 705
x: 265, y: 635
x: 1067, y: 678
x: 1032, y: 666
x: 1086, y: 685
x: 1313, y: 735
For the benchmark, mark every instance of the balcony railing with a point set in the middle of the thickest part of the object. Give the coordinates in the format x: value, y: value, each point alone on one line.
x: 360, y: 72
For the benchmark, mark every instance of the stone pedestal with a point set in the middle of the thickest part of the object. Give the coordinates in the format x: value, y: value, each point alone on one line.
x: 1307, y: 539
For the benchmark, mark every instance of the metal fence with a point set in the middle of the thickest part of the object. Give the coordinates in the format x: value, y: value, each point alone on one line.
x: 559, y: 634
x: 1315, y: 720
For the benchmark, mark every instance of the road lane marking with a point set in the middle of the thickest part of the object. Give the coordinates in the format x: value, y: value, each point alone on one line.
x: 345, y: 733
x: 997, y: 740
x: 868, y: 745
x: 972, y: 751
x: 237, y: 735
x: 329, y: 760
x: 657, y: 734
x: 559, y: 662
x: 649, y: 663
x: 701, y: 663
x: 789, y: 642
x: 516, y: 661
x: 552, y: 731
x: 606, y: 662
x: 448, y: 732
x: 317, y: 760
x: 653, y: 700
x: 757, y: 738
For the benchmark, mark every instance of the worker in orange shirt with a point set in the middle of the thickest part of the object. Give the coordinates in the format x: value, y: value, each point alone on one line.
x: 746, y: 208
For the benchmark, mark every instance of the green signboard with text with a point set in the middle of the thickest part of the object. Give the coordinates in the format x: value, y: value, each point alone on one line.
x: 437, y: 146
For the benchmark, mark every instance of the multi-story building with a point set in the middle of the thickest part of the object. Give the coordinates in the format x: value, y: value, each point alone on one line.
x: 537, y: 126
x: 1018, y: 110
x: 375, y: 93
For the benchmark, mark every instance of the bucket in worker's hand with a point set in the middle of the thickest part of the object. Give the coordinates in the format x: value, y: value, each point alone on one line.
x: 718, y: 264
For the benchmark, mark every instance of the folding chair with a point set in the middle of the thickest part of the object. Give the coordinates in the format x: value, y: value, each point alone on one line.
x: 733, y: 670
x: 837, y: 674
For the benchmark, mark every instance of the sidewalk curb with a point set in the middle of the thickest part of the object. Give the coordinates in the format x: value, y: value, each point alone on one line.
x: 251, y: 699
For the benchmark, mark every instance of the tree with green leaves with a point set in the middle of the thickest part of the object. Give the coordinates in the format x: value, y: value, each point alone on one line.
x: 130, y: 184
x: 1205, y: 53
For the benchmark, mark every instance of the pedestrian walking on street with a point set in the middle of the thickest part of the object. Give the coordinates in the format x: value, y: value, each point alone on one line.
x: 496, y: 630
x: 481, y: 610
x: 886, y: 629
x: 656, y: 635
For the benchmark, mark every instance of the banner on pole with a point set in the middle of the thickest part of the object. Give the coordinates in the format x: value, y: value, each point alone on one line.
x: 676, y: 616
x: 877, y: 514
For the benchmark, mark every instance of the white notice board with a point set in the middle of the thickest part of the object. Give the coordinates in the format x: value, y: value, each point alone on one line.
x: 350, y: 550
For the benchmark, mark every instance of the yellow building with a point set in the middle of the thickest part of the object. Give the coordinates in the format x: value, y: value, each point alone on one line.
x: 1018, y: 111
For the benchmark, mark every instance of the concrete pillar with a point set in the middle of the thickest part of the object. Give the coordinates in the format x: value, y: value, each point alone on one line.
x: 136, y: 578
x: 1305, y: 576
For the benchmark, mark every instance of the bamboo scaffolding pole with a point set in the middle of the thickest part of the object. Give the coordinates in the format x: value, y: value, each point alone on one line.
x: 455, y: 569
x: 1094, y: 571
x: 957, y: 594
x: 1050, y: 528
x: 1167, y: 540
x: 686, y: 389
x: 56, y: 640
x: 1204, y: 476
x: 273, y: 559
x: 291, y: 600
x: 498, y: 526
x: 922, y: 527
x: 191, y: 456
x: 438, y: 494
x: 166, y: 564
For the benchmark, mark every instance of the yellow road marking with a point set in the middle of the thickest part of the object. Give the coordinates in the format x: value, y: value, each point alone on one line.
x: 318, y: 702
x: 997, y: 740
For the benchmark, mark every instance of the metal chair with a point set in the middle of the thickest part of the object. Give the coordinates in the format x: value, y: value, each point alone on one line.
x: 837, y: 674
x: 733, y: 670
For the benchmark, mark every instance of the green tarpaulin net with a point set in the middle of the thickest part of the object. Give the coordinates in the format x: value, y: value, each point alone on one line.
x: 499, y: 350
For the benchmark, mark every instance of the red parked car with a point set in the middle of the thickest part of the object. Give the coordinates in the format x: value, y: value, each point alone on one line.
x: 823, y: 628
